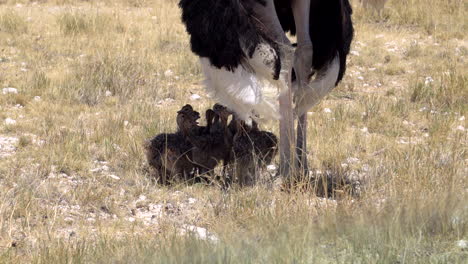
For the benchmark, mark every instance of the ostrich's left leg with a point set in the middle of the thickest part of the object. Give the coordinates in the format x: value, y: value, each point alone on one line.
x: 266, y: 14
x: 303, y: 69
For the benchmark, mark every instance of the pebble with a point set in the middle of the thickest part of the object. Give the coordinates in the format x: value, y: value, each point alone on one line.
x: 168, y: 73
x: 462, y: 244
x: 195, y: 97
x: 10, y: 121
x: 199, y: 232
x: 37, y: 98
x: 108, y: 93
x: 461, y: 128
x: 271, y: 168
x: 9, y: 90
x: 352, y: 160
x: 428, y: 80
x: 327, y: 110
x: 115, y: 177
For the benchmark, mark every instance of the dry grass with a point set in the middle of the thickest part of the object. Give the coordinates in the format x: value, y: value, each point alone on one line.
x: 95, y: 79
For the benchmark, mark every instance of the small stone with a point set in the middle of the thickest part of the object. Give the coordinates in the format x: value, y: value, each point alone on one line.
x: 108, y: 93
x: 428, y: 80
x: 115, y: 177
x: 360, y: 78
x: 168, y: 73
x: 142, y: 198
x: 327, y: 110
x: 352, y: 160
x: 192, y: 200
x: 462, y: 118
x: 364, y: 130
x: 131, y: 219
x: 195, y: 97
x: 10, y: 121
x: 37, y: 98
x: 126, y: 123
x: 462, y: 244
x: 271, y: 168
x: 199, y: 232
x: 461, y: 128
x: 9, y: 90
x: 355, y: 53
x: 422, y: 109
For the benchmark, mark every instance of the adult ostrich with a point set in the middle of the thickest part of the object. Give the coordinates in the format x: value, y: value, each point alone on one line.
x: 251, y: 67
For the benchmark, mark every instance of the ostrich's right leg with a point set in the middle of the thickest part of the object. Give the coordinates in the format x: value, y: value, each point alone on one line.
x: 303, y: 69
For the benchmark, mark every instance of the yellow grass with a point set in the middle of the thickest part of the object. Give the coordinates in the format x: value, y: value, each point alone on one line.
x: 74, y: 184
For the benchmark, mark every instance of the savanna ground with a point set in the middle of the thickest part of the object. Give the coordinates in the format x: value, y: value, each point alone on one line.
x: 95, y: 79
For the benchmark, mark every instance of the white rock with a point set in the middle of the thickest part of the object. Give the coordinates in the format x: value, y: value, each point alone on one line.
x: 131, y: 219
x: 192, y: 200
x: 199, y: 232
x: 9, y: 90
x: 360, y: 78
x: 462, y: 118
x: 364, y: 130
x: 352, y: 160
x: 327, y: 110
x: 126, y: 123
x: 37, y: 98
x: 141, y: 198
x: 355, y: 53
x: 168, y: 73
x: 10, y: 121
x: 108, y: 93
x: 115, y: 177
x: 461, y: 128
x: 271, y: 168
x: 462, y: 244
x: 195, y: 97
x: 422, y: 109
x: 428, y: 80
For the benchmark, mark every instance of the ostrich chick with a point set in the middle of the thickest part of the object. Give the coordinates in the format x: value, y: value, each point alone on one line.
x: 252, y: 149
x: 210, y: 143
x: 170, y: 154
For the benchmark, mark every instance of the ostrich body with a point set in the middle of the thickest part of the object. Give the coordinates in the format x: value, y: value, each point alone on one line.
x: 170, y: 154
x: 251, y: 67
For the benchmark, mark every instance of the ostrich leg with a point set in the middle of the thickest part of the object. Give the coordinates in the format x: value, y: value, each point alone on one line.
x: 303, y: 69
x: 268, y: 17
